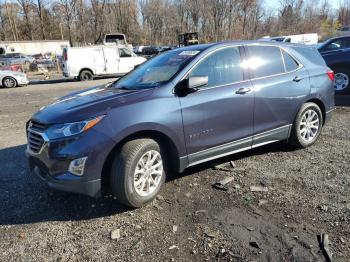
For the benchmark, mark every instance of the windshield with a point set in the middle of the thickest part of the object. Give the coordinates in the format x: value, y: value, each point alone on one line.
x: 157, y: 70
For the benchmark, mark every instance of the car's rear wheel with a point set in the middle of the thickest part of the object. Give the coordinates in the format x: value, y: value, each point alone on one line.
x: 138, y: 172
x: 342, y: 81
x: 307, y: 126
x: 9, y: 82
x: 86, y: 75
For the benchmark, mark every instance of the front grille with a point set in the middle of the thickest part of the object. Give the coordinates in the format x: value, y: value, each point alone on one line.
x: 35, y: 139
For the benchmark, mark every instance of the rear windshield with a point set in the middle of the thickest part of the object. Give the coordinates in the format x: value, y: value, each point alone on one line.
x: 157, y: 70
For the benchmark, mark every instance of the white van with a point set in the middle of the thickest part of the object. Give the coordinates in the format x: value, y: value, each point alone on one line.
x: 86, y: 62
x: 306, y: 39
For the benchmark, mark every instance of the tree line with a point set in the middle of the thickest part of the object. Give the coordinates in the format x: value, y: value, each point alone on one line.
x: 160, y: 21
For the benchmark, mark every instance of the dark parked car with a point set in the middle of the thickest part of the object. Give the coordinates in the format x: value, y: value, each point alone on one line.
x: 181, y: 108
x: 336, y: 53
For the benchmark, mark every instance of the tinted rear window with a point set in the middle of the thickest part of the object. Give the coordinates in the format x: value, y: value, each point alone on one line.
x: 265, y: 60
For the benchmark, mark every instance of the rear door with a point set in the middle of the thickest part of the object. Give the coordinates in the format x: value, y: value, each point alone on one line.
x: 280, y: 86
x: 111, y: 60
x: 221, y: 113
x: 99, y: 61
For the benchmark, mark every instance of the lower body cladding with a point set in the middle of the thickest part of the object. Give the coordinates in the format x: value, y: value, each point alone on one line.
x: 72, y: 165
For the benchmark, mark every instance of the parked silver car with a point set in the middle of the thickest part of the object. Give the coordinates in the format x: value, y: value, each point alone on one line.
x: 13, y: 78
x: 16, y: 59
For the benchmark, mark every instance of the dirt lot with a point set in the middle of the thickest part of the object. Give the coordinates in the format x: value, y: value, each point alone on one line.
x: 308, y: 194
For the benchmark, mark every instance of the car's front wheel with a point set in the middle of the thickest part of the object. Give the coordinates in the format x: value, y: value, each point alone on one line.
x: 9, y: 82
x: 342, y: 81
x: 138, y: 172
x: 307, y: 126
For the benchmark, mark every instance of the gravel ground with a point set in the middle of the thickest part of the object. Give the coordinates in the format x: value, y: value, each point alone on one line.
x: 307, y: 194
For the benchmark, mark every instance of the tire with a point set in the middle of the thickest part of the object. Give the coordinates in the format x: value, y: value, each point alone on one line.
x: 127, y: 184
x: 300, y: 137
x: 9, y: 82
x: 85, y: 75
x: 342, y: 81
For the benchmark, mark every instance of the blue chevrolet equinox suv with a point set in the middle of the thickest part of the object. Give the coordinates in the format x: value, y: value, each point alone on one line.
x: 179, y: 109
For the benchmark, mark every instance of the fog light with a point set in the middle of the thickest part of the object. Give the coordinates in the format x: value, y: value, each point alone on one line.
x: 76, y: 167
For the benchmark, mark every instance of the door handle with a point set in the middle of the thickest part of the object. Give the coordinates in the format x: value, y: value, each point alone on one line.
x: 297, y: 79
x: 242, y: 91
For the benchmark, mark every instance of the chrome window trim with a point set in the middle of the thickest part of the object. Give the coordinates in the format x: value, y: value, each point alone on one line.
x: 300, y: 66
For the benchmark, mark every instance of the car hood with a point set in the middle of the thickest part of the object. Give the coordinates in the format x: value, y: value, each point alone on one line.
x: 87, y: 104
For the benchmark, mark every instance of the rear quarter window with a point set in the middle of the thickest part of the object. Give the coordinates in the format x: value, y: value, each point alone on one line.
x: 289, y: 62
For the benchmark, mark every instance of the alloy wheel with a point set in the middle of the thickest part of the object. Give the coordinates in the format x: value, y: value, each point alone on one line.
x: 309, y: 125
x: 148, y: 173
x: 341, y: 81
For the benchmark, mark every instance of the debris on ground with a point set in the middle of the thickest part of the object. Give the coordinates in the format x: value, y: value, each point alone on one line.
x: 226, y: 167
x: 254, y: 244
x: 262, y: 202
x: 221, y: 185
x: 259, y: 189
x: 175, y: 228
x: 201, y: 211
x: 324, y: 246
x: 115, y: 234
x: 173, y: 247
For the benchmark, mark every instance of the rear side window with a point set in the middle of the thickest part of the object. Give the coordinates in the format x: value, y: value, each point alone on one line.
x: 222, y: 67
x: 337, y: 44
x: 289, y: 62
x: 265, y: 61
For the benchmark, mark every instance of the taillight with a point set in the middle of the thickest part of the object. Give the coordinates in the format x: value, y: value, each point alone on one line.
x: 331, y: 75
x: 65, y: 55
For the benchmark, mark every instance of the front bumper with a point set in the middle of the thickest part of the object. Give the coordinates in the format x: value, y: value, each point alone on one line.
x: 52, y: 161
x: 63, y: 180
x: 22, y: 81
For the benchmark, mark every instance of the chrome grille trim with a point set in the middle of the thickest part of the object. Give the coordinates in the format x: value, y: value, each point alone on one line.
x: 36, y: 137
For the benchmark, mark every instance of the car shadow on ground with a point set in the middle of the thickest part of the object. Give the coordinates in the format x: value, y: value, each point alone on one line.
x: 343, y: 100
x: 25, y: 198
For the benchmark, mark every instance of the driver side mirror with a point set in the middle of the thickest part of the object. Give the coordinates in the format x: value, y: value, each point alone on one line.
x: 190, y: 85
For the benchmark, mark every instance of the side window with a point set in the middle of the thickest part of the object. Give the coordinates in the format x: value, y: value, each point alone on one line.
x: 222, y: 67
x: 265, y: 61
x: 124, y: 52
x: 289, y: 62
x: 337, y: 44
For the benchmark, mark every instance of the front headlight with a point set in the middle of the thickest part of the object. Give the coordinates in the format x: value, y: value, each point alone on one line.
x: 71, y: 129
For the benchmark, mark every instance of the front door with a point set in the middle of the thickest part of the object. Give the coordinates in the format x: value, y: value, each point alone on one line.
x: 218, y: 118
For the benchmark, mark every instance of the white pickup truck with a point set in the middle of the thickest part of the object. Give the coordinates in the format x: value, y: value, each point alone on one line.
x: 86, y: 62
